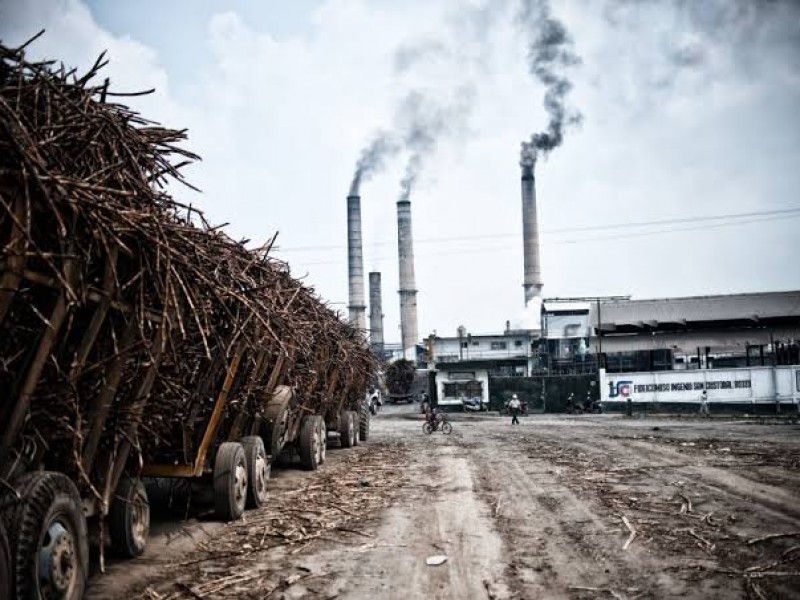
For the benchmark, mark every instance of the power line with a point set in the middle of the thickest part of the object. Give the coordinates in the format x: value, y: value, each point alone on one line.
x: 512, y: 244
x: 516, y: 235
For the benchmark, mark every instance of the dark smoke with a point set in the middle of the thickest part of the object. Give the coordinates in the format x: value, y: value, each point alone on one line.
x: 550, y: 52
x: 373, y: 158
x: 755, y: 32
x: 464, y: 41
x: 424, y: 122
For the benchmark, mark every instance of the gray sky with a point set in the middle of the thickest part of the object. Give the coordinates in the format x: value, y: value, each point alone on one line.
x: 690, y: 114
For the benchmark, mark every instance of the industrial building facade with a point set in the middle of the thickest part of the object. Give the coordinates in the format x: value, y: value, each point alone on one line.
x: 700, y: 332
x: 602, y: 338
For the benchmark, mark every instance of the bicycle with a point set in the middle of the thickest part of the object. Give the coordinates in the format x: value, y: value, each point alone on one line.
x: 437, y: 425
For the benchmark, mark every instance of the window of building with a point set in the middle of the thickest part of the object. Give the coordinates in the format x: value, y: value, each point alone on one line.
x: 476, y: 343
x: 499, y: 345
x: 518, y: 343
x: 463, y: 389
x: 464, y: 344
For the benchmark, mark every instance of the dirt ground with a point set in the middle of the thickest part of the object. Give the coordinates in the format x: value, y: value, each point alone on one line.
x: 558, y: 507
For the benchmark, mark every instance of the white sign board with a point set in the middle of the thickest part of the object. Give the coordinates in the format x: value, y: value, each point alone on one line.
x: 755, y: 384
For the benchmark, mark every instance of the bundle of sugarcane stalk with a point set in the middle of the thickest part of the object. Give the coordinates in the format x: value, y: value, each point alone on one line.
x: 122, y: 310
x: 400, y: 377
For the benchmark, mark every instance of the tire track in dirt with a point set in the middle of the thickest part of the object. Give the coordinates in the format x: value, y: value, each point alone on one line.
x: 562, y: 541
x: 696, y: 474
x: 439, y: 514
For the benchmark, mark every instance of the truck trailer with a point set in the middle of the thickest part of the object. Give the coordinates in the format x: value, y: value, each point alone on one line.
x: 138, y: 342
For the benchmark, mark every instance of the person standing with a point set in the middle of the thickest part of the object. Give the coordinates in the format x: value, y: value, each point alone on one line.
x: 514, y: 407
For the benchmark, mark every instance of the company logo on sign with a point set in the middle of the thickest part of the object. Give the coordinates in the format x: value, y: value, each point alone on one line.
x: 621, y: 388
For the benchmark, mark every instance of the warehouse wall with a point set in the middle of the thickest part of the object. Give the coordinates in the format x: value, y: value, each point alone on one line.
x: 754, y: 389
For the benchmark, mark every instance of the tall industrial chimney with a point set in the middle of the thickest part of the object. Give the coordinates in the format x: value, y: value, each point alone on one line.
x: 375, y: 314
x: 408, y: 292
x: 355, y: 264
x: 532, y: 283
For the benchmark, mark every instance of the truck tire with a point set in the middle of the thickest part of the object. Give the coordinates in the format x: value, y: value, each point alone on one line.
x: 323, y: 441
x: 258, y: 470
x: 355, y: 418
x: 363, y: 423
x: 276, y: 420
x: 5, y: 564
x: 129, y: 518
x: 230, y: 481
x: 347, y: 432
x: 50, y: 542
x: 308, y: 443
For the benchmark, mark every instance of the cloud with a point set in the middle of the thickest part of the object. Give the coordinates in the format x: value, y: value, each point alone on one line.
x: 682, y: 118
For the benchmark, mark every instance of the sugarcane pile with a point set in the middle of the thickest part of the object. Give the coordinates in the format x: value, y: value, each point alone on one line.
x: 146, y: 305
x: 400, y: 377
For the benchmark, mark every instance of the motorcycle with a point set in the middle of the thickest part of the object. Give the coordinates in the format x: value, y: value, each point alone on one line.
x: 472, y: 404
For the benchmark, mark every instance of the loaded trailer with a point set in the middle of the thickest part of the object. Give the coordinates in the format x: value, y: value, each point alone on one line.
x: 136, y: 341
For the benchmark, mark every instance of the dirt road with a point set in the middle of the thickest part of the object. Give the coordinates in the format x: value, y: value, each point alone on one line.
x: 573, y: 507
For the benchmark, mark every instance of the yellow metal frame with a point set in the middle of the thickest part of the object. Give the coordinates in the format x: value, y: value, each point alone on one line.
x: 196, y: 470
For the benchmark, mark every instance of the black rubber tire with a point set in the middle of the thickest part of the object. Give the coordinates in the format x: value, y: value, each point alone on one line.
x: 447, y: 429
x: 323, y: 440
x: 427, y: 428
x: 258, y: 470
x: 307, y: 443
x: 230, y: 491
x: 47, y: 498
x: 129, y: 518
x: 356, y: 424
x: 346, y: 429
x: 363, y: 423
x: 5, y: 564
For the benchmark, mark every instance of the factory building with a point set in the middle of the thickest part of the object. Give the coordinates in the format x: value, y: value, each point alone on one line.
x: 700, y: 332
x: 466, y: 364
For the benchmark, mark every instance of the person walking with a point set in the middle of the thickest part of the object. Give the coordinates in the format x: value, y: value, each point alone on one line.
x: 704, y: 403
x: 514, y: 405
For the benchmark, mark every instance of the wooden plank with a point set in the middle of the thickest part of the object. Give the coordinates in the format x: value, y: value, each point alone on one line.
x: 101, y: 403
x: 16, y: 420
x: 15, y: 265
x: 99, y: 315
x: 137, y: 407
x: 216, y: 415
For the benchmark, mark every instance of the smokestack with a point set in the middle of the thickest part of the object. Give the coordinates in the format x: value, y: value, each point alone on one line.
x: 408, y: 292
x: 355, y: 264
x: 530, y: 231
x: 375, y: 314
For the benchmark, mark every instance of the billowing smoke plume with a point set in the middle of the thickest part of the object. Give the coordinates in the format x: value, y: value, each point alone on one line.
x: 424, y: 122
x: 550, y: 52
x: 712, y: 39
x: 384, y: 145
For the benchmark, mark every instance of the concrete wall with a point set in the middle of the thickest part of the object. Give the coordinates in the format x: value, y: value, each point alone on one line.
x: 443, y: 377
x: 735, y: 389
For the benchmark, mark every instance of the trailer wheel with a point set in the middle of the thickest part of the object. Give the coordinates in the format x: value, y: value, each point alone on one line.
x: 346, y: 429
x: 323, y: 440
x: 355, y: 419
x: 5, y: 565
x: 276, y: 420
x: 230, y: 481
x: 50, y: 544
x: 258, y: 470
x: 308, y: 444
x: 363, y: 423
x: 129, y: 518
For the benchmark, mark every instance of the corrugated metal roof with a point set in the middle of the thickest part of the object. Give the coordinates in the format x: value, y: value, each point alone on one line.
x: 554, y: 306
x: 698, y: 308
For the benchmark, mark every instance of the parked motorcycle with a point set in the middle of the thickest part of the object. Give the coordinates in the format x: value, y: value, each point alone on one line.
x: 472, y: 404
